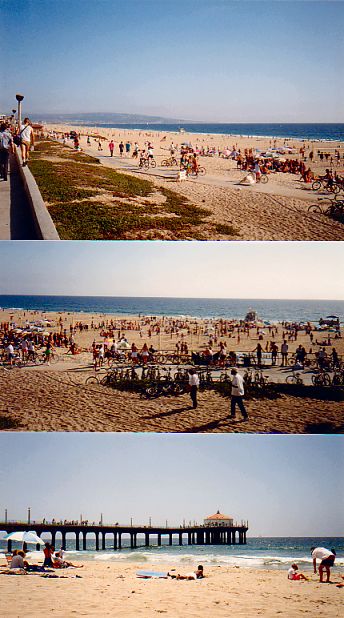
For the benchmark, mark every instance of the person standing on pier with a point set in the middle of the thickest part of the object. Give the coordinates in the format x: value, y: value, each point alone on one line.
x: 238, y: 393
x: 194, y: 384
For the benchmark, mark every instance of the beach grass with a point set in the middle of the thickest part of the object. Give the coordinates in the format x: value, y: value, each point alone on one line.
x: 88, y: 201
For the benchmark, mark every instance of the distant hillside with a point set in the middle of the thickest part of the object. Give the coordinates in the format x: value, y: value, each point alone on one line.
x: 99, y: 118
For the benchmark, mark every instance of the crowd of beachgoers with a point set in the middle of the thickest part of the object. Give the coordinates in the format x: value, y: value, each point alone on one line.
x: 142, y: 339
x: 230, y: 188
x: 275, y: 158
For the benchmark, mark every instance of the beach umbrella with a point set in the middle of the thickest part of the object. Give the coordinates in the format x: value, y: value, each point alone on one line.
x: 24, y: 537
x: 331, y: 317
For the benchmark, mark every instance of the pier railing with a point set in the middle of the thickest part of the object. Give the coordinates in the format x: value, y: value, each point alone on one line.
x: 196, y: 534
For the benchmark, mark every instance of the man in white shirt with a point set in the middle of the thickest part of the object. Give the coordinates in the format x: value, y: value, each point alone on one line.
x: 27, y: 140
x: 327, y: 558
x: 238, y: 393
x: 10, y: 353
x: 284, y: 352
x: 194, y: 384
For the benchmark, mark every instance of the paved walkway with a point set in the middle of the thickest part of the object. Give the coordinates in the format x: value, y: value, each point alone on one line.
x: 271, y: 188
x: 16, y: 221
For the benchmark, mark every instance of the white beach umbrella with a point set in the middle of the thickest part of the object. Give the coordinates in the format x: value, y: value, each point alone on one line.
x: 24, y: 537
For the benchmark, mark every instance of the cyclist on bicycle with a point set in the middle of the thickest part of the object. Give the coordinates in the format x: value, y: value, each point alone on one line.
x: 257, y: 171
x: 194, y: 164
x: 143, y: 157
x: 150, y: 151
x: 31, y: 350
x: 47, y: 353
x: 329, y: 178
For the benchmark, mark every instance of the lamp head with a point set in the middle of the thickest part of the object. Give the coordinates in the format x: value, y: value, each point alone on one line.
x: 19, y: 97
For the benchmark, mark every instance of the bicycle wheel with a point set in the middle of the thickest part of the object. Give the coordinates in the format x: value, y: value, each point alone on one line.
x: 153, y: 164
x: 264, y: 179
x: 315, y: 380
x: 164, y: 163
x: 290, y: 380
x: 316, y: 185
x: 326, y: 379
x: 152, y: 391
x: 174, y: 162
x: 91, y: 380
x: 315, y: 208
x: 177, y: 388
x: 54, y: 358
x: 201, y: 171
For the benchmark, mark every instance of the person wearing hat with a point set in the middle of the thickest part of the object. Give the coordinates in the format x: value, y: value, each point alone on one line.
x: 238, y: 393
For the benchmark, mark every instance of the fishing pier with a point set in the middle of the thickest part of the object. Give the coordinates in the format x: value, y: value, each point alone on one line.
x: 111, y: 536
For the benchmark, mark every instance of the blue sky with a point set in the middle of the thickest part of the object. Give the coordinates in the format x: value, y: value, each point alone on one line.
x: 304, y: 270
x: 219, y: 60
x: 282, y: 484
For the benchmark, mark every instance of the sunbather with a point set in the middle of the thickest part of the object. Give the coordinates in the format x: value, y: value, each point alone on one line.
x: 198, y: 574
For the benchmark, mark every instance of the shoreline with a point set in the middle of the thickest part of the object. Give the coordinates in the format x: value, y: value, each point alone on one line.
x: 168, y: 315
x: 158, y: 129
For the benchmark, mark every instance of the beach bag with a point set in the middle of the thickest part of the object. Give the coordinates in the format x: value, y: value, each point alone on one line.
x: 17, y: 139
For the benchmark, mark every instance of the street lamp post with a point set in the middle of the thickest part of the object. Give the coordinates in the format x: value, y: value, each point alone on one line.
x: 5, y: 516
x: 19, y: 98
x: 29, y: 515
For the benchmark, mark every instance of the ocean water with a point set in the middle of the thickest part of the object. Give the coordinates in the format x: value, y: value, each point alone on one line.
x: 268, y: 553
x: 269, y: 310
x: 322, y: 132
x: 309, y: 131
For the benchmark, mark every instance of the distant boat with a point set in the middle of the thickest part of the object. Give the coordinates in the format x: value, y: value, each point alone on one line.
x: 181, y: 130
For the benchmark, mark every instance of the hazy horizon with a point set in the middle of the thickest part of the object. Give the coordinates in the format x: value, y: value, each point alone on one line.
x: 242, y: 270
x: 247, y: 60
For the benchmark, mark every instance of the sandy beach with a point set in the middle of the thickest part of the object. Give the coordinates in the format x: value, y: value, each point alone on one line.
x: 56, y: 398
x: 107, y: 589
x: 257, y: 212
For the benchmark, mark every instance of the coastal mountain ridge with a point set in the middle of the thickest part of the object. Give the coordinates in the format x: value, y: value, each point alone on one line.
x: 105, y: 118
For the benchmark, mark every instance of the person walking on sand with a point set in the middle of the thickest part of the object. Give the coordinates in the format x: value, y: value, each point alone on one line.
x: 238, y: 393
x: 27, y: 140
x: 327, y: 558
x: 111, y: 147
x: 194, y: 384
x: 284, y: 353
x: 121, y: 148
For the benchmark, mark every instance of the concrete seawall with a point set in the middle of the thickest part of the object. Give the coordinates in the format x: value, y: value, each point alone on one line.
x: 43, y: 222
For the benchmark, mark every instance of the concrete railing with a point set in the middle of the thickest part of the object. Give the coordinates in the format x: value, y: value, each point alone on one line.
x: 44, y: 225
